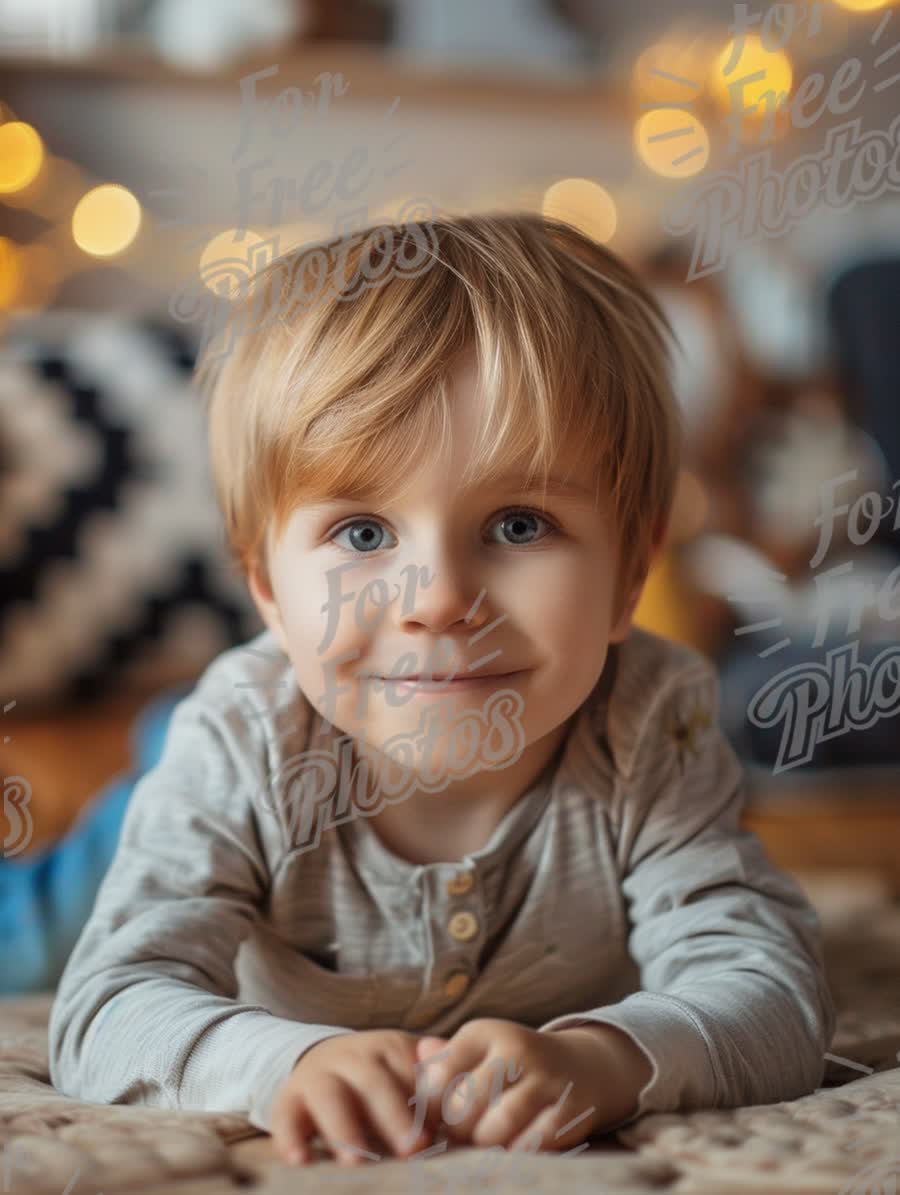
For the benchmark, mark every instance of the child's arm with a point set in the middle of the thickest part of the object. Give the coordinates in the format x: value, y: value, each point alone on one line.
x: 145, y: 1011
x: 734, y: 1007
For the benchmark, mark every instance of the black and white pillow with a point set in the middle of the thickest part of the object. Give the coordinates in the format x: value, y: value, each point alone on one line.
x: 114, y: 570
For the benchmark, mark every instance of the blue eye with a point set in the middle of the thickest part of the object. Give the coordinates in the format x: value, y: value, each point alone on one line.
x: 516, y: 519
x: 365, y: 541
x: 365, y: 533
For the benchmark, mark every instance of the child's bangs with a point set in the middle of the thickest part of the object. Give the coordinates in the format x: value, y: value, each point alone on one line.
x: 371, y: 450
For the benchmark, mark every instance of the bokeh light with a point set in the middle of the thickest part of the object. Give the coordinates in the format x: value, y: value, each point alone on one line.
x: 584, y: 204
x: 106, y: 220
x: 673, y: 143
x: 673, y: 70
x: 225, y: 261
x: 777, y: 77
x: 21, y: 155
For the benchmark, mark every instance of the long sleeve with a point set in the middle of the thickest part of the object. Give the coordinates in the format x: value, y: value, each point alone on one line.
x: 146, y: 1009
x: 733, y: 1007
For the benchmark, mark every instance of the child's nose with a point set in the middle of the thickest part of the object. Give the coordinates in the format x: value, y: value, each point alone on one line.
x: 448, y: 599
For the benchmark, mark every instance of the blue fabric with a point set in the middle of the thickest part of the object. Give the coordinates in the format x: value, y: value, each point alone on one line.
x: 47, y: 896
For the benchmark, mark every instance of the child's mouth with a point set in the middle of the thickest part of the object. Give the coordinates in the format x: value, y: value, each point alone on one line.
x: 424, y: 685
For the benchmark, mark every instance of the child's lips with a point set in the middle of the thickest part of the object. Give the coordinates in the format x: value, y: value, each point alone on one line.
x: 437, y: 684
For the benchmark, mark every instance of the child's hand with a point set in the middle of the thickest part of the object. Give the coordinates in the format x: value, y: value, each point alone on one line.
x: 512, y: 1086
x: 355, y: 1092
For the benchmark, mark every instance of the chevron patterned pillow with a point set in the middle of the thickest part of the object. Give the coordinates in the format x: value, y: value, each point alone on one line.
x: 114, y: 569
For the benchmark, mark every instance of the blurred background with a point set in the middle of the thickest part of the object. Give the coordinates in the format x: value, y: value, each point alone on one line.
x: 154, y: 151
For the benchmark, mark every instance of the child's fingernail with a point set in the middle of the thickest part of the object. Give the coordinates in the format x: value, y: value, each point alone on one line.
x: 295, y: 1157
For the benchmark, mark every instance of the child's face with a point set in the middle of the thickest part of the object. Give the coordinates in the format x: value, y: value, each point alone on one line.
x: 545, y: 585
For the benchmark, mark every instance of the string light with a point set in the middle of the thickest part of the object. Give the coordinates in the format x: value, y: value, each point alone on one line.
x: 21, y: 155
x: 777, y: 73
x: 225, y: 261
x: 671, y: 142
x: 584, y: 204
x: 106, y: 220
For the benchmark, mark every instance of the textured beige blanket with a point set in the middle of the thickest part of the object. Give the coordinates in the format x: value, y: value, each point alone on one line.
x: 844, y: 1138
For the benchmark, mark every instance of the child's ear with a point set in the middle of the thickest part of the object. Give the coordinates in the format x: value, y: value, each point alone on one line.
x: 264, y: 600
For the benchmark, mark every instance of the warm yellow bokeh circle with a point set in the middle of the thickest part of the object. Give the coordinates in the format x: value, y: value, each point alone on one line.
x: 671, y: 142
x: 106, y: 220
x: 778, y: 75
x: 21, y: 156
x: 584, y: 204
x: 225, y: 261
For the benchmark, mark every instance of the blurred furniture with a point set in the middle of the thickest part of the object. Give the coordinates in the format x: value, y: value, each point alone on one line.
x: 864, y: 312
x: 114, y: 573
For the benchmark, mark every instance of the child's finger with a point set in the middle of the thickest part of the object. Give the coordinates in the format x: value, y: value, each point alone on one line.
x: 473, y: 1097
x: 341, y: 1114
x: 444, y: 1079
x: 521, y: 1115
x: 426, y: 1047
x: 291, y: 1130
x: 392, y: 1116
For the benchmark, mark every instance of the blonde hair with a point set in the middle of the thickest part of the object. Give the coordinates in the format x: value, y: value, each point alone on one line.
x: 335, y: 397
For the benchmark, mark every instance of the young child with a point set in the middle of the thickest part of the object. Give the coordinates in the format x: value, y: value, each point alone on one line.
x: 340, y: 898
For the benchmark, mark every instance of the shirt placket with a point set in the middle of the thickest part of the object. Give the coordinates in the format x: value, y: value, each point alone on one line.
x: 454, y: 916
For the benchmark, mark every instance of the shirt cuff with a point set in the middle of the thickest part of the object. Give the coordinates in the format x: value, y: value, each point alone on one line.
x: 274, y: 1051
x: 667, y: 1030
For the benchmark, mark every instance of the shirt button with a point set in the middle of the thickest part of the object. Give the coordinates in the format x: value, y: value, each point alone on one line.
x: 462, y: 927
x: 456, y: 985
x: 460, y: 884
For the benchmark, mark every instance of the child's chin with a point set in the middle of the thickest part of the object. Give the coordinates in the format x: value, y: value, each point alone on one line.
x: 407, y: 763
